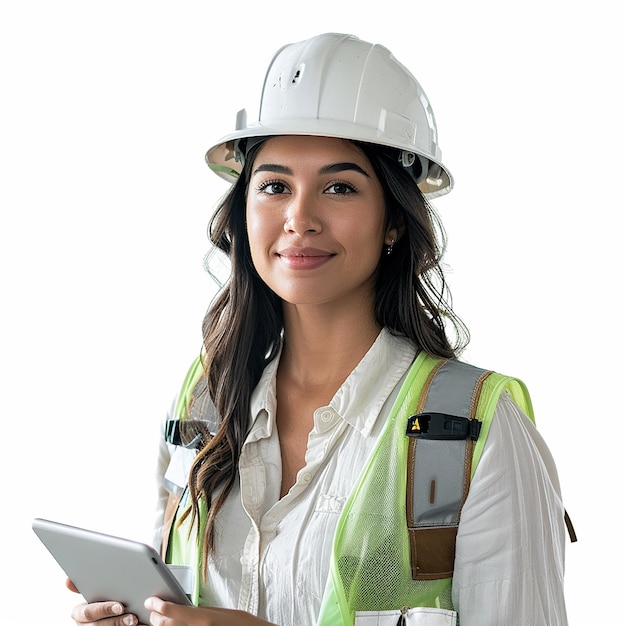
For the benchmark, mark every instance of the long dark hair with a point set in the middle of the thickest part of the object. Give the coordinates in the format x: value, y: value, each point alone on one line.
x: 242, y: 329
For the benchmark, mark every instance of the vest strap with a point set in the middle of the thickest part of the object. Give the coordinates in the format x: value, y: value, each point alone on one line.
x: 442, y: 436
x: 570, y: 528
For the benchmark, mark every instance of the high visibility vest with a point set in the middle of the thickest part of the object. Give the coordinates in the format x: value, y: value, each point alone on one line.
x: 393, y: 548
x: 382, y: 560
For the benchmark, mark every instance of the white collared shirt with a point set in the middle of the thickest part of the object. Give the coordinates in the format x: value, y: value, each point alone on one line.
x: 272, y: 555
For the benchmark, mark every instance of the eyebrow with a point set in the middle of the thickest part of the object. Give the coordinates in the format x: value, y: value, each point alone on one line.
x: 327, y: 169
x: 342, y: 167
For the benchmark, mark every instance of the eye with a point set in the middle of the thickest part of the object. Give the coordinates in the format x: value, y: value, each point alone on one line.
x: 340, y: 188
x: 272, y: 187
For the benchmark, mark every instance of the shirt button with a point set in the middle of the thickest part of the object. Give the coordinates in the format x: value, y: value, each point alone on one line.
x: 326, y: 416
x: 306, y: 477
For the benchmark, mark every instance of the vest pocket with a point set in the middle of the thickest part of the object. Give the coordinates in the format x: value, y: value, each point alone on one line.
x: 432, y: 552
x: 419, y: 616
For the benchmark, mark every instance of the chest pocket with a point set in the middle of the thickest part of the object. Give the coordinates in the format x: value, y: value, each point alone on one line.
x: 408, y: 617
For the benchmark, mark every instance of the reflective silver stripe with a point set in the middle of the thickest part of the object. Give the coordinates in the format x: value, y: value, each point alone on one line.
x: 439, y: 466
x: 452, y: 389
x: 438, y: 482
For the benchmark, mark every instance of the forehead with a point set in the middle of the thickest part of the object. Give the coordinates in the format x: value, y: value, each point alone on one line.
x: 301, y: 148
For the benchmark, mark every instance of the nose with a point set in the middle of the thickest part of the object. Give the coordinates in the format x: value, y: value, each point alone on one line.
x: 303, y: 215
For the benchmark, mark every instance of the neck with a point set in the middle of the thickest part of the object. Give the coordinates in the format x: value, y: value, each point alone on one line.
x: 322, y: 348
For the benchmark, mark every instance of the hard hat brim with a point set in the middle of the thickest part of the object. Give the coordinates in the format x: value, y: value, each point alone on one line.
x: 221, y: 157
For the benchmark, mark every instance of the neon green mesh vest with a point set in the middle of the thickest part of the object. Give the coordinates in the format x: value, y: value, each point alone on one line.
x: 373, y: 562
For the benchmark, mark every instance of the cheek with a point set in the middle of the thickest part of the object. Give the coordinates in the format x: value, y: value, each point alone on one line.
x: 365, y: 234
x: 261, y: 234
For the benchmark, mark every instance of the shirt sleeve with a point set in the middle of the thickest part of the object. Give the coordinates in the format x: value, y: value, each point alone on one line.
x: 172, y: 472
x: 510, y: 549
x: 163, y: 461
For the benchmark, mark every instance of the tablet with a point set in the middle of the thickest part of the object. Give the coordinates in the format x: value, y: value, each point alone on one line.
x: 104, y: 567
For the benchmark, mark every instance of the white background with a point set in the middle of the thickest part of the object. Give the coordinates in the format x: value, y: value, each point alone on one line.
x: 106, y: 109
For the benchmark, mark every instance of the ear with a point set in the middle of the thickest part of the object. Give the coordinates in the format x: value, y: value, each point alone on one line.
x: 392, y: 236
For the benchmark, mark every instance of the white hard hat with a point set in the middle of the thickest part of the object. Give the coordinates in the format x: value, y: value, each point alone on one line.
x: 337, y: 85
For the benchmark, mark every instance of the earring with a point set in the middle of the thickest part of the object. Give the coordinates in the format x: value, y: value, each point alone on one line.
x: 390, y: 247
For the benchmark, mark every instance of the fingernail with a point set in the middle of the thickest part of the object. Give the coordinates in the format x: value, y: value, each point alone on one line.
x: 118, y: 609
x: 129, y: 619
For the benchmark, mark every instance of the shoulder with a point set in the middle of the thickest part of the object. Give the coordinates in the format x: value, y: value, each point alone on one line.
x: 514, y: 437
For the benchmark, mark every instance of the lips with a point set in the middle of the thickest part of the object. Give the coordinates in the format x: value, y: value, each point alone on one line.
x: 304, y: 258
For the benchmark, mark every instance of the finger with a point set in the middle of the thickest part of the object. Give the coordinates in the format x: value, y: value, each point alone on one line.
x: 112, y: 612
x: 156, y: 605
x: 71, y: 586
x: 177, y: 613
x: 172, y: 614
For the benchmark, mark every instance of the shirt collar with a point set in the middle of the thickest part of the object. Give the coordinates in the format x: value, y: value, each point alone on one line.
x: 359, y: 399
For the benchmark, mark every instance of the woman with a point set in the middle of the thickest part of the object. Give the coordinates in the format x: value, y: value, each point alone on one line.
x: 286, y: 462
